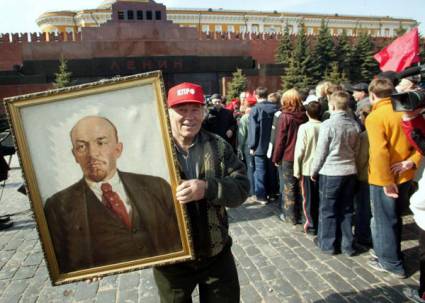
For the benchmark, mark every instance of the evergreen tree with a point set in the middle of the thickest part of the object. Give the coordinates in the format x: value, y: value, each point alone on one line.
x: 63, y: 76
x: 297, y: 73
x: 237, y: 85
x: 293, y: 78
x: 343, y: 53
x: 284, y: 49
x: 335, y: 76
x: 368, y: 65
x: 355, y: 62
x: 300, y: 53
x: 323, y: 53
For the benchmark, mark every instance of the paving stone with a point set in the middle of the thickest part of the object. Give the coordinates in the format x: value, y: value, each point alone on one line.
x: 252, y: 250
x: 336, y: 282
x: 33, y: 259
x: 128, y: 296
x: 311, y: 296
x: 340, y: 268
x: 365, y: 274
x: 249, y: 294
x: 260, y: 261
x: 14, y: 291
x: 315, y: 280
x: 86, y: 291
x: 108, y: 283
x: 296, y: 280
x: 269, y: 273
x: 129, y: 280
x: 25, y: 272
x: 283, y: 288
x: 304, y: 254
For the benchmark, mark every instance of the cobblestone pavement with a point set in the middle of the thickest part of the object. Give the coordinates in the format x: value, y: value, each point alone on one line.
x: 276, y: 263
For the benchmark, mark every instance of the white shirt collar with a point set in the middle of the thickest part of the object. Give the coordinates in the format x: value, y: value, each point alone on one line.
x: 117, y: 186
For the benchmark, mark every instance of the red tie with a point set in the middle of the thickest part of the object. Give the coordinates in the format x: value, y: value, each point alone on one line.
x: 114, y: 203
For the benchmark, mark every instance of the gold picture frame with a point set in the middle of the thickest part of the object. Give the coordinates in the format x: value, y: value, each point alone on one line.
x: 77, y: 242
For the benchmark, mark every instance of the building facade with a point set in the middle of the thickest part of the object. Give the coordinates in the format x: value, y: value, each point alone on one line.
x: 221, y: 20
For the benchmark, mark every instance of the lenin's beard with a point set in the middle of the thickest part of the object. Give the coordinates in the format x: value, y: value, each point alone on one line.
x: 96, y: 170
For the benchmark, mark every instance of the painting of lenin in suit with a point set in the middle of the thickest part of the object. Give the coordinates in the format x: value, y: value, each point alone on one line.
x: 109, y: 215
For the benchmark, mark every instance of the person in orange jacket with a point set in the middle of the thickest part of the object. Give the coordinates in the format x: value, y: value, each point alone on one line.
x: 392, y: 166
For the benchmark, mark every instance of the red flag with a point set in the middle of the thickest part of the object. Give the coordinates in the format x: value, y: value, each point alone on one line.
x: 401, y: 53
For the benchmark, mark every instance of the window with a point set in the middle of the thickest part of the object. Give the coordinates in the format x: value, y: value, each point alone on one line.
x: 157, y: 15
x: 120, y: 15
x: 269, y: 29
x: 139, y: 15
x: 130, y: 15
x: 148, y: 15
x: 387, y: 32
x: 254, y: 28
x: 218, y: 28
x: 205, y: 28
x: 242, y: 28
x: 230, y: 28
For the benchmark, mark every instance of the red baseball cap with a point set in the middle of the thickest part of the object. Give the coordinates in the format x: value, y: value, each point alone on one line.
x: 185, y: 93
x: 250, y: 98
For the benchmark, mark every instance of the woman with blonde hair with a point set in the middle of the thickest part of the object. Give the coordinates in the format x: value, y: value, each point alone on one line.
x: 292, y: 117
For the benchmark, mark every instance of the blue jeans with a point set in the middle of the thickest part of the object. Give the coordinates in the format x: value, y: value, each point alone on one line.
x: 336, y: 213
x: 362, y: 232
x: 386, y: 225
x: 262, y: 174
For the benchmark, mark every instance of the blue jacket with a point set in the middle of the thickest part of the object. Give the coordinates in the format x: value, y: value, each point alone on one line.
x: 260, y: 126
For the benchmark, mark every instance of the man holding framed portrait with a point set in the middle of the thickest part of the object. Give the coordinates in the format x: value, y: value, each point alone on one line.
x: 212, y: 178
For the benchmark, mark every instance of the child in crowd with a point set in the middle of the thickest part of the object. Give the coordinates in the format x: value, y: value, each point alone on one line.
x: 292, y: 117
x: 305, y: 148
x: 334, y: 160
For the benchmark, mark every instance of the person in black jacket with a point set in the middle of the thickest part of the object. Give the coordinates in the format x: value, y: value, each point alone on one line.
x: 259, y: 130
x: 220, y: 121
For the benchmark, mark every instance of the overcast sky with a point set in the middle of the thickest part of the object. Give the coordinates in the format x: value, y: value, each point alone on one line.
x: 20, y: 15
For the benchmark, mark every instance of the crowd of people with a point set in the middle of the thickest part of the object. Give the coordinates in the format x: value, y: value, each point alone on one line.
x: 337, y: 161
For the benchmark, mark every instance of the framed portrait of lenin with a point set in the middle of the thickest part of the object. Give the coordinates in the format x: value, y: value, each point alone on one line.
x: 100, y: 169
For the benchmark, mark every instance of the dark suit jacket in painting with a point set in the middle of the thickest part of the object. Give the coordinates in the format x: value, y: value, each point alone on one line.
x: 86, y: 234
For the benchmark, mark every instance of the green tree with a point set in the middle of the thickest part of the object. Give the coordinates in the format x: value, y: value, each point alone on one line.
x: 237, y: 85
x: 284, y: 50
x: 323, y: 53
x: 368, y: 65
x: 343, y: 53
x: 297, y: 73
x: 355, y: 62
x: 334, y: 75
x: 293, y: 78
x: 63, y: 76
x: 301, y: 50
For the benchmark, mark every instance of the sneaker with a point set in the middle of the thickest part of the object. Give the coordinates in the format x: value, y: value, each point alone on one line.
x: 262, y: 201
x: 374, y: 263
x: 412, y: 295
x: 6, y: 225
x: 372, y: 253
x: 282, y: 217
x: 4, y: 219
